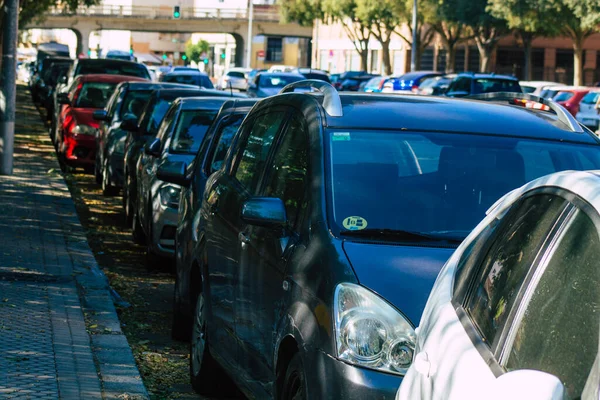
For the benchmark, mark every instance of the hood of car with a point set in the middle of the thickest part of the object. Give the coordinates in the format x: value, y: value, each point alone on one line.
x: 403, y: 275
x: 84, y: 116
x: 266, y: 92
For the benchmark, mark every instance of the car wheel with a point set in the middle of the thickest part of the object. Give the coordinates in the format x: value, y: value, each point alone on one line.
x: 294, y: 384
x: 107, y: 188
x: 136, y: 228
x: 205, y: 373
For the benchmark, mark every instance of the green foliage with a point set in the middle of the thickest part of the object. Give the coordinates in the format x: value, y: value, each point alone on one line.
x: 194, y: 51
x: 528, y: 16
x: 32, y: 10
x: 303, y: 12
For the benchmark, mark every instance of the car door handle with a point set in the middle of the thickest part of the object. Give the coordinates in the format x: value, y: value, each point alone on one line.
x: 243, y: 238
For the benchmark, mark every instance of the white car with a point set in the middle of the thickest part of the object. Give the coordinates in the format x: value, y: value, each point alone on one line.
x: 235, y: 78
x: 536, y: 87
x: 282, y: 68
x: 589, y: 109
x: 514, y: 314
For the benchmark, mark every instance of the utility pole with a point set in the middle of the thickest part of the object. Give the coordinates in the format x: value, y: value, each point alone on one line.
x: 8, y: 87
x: 415, y: 39
x: 249, y: 39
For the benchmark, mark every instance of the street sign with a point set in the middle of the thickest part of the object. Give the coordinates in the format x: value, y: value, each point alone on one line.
x: 260, y: 55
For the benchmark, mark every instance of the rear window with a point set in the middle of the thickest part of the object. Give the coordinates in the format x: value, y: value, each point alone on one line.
x: 528, y: 89
x: 488, y: 85
x: 236, y: 74
x: 563, y: 96
x: 95, y: 94
x: 591, y: 98
x: 112, y: 68
x: 320, y: 77
x: 134, y: 103
x: 277, y: 81
x: 190, y: 131
x: 197, y: 80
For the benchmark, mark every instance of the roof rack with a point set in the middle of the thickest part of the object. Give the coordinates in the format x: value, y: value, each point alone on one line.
x: 563, y: 115
x: 331, y: 102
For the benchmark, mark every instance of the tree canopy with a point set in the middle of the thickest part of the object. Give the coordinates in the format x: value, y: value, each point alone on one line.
x: 32, y: 10
x: 194, y: 51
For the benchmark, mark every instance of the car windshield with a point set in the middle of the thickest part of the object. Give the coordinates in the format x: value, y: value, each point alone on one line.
x: 563, y: 96
x: 190, y: 131
x: 487, y: 85
x: 528, y: 89
x: 277, y: 81
x: 112, y: 68
x: 134, y: 103
x: 190, y: 79
x: 94, y: 94
x: 548, y: 93
x: 591, y: 98
x: 434, y: 184
x: 373, y: 83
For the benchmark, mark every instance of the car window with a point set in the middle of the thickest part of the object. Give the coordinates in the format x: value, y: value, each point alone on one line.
x: 224, y: 136
x: 166, y: 126
x: 559, y: 323
x: 134, y: 103
x: 94, y: 94
x: 563, y: 96
x: 287, y: 174
x: 111, y: 106
x: 528, y: 89
x: 490, y: 85
x: 256, y: 147
x: 591, y: 98
x: 277, y: 81
x: 236, y: 74
x: 158, y: 112
x: 503, y: 271
x: 112, y: 68
x: 190, y: 130
x: 460, y: 85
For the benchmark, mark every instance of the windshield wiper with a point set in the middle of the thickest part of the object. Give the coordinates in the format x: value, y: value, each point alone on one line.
x: 400, y: 235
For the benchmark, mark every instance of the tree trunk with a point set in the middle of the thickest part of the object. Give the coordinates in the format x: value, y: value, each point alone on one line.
x: 364, y: 58
x: 387, y: 63
x: 578, y: 62
x: 450, y: 58
x: 527, y: 40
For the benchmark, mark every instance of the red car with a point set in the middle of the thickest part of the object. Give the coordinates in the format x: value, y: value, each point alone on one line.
x: 570, y: 98
x: 75, y: 134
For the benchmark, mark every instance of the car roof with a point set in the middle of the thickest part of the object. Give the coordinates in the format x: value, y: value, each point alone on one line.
x: 200, y: 92
x: 109, y: 78
x: 281, y: 74
x: 185, y: 72
x: 431, y: 113
x: 106, y: 61
x: 486, y: 76
x: 417, y: 74
x: 571, y: 88
x: 201, y: 103
x: 140, y: 85
x: 239, y: 105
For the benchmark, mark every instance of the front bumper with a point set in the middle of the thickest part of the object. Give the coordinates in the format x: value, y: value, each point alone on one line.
x: 164, y: 226
x: 329, y: 378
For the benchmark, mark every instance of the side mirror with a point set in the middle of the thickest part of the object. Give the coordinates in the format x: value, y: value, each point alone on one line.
x: 264, y: 211
x: 130, y: 125
x: 100, y: 115
x: 63, y: 98
x: 173, y: 172
x: 528, y: 384
x: 153, y: 148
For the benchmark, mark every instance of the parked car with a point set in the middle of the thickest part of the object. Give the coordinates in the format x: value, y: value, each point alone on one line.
x: 536, y: 87
x: 195, y: 78
x: 311, y: 73
x: 335, y: 80
x: 145, y: 129
x: 411, y: 80
x: 570, y: 98
x: 85, y: 66
x: 267, y: 84
x: 253, y: 72
x: 319, y: 239
x: 192, y: 180
x: 48, y: 84
x: 235, y: 78
x: 75, y: 135
x: 120, y: 55
x: 513, y: 314
x: 468, y: 84
x: 435, y: 86
x: 375, y: 85
x: 178, y: 140
x: 38, y: 84
x: 127, y: 103
x: 589, y: 109
x: 550, y: 91
x: 354, y: 83
x: 281, y: 68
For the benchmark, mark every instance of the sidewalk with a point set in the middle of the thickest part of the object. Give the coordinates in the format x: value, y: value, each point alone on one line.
x: 60, y: 336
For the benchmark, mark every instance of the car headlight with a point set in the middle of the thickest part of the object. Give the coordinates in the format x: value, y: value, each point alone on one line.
x: 371, y: 333
x: 169, y: 196
x: 84, y: 130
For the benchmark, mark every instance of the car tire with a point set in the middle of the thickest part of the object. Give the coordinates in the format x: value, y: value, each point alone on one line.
x: 136, y: 228
x: 107, y: 188
x: 205, y: 373
x: 294, y: 383
x: 127, y: 200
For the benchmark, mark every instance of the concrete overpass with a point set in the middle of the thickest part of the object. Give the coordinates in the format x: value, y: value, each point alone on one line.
x: 84, y: 20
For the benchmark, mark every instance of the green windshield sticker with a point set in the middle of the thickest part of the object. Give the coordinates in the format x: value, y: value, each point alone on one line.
x: 340, y: 136
x: 354, y: 223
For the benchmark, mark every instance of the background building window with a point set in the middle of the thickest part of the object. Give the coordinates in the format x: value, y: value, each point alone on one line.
x: 274, y: 49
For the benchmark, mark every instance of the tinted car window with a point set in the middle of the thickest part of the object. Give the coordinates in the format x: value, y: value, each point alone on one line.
x: 489, y: 85
x: 563, y: 96
x: 256, y: 148
x: 558, y: 329
x: 95, y: 94
x: 460, y: 85
x: 236, y: 74
x: 320, y: 77
x: 158, y: 112
x: 190, y: 130
x: 591, y: 98
x: 277, y: 81
x: 134, y: 103
x: 447, y: 181
x: 189, y: 79
x: 225, y: 136
x: 287, y: 177
x: 111, y: 68
x: 508, y: 262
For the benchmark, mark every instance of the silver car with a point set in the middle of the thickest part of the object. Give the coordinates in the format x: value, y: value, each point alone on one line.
x: 178, y: 140
x: 235, y: 78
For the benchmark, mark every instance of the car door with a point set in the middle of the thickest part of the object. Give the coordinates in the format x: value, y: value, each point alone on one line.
x: 264, y: 253
x: 112, y: 122
x: 460, y: 343
x: 149, y: 164
x: 224, y: 198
